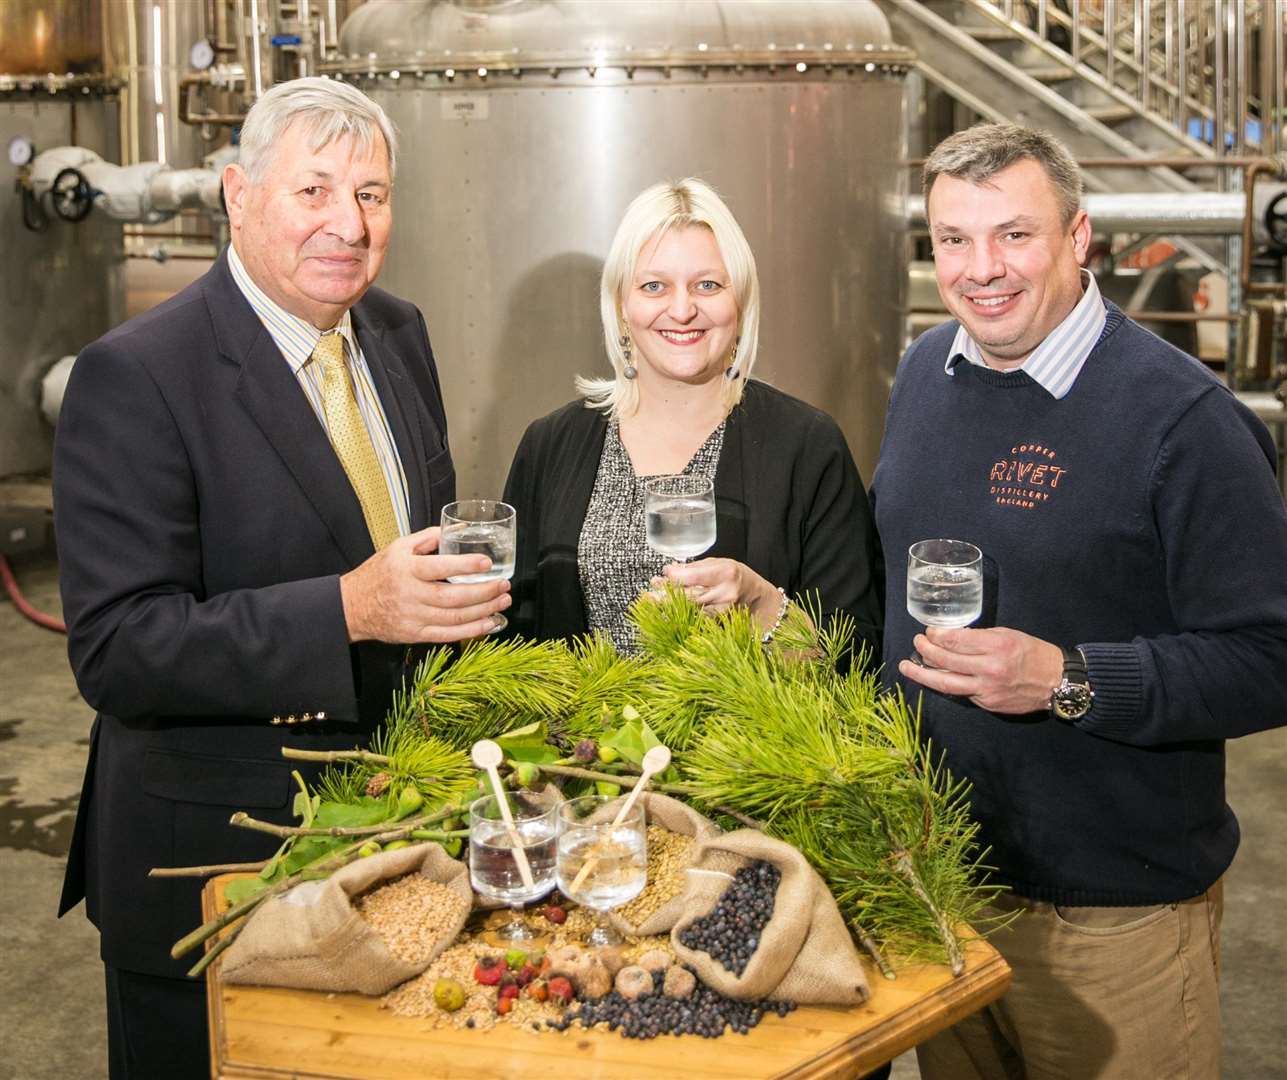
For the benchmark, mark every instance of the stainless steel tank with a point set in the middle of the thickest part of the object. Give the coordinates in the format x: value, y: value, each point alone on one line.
x: 527, y: 126
x: 62, y: 287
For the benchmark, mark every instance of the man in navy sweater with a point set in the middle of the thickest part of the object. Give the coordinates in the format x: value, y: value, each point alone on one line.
x: 1135, y: 617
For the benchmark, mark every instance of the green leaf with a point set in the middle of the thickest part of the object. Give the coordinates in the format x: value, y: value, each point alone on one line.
x: 632, y: 740
x: 366, y: 811
x: 528, y: 743
x: 237, y: 891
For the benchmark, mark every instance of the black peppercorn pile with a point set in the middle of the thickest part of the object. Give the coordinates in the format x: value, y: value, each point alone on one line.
x: 730, y: 932
x: 706, y: 1013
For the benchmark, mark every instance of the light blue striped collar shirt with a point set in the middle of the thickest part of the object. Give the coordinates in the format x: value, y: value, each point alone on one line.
x: 296, y: 339
x: 1057, y: 361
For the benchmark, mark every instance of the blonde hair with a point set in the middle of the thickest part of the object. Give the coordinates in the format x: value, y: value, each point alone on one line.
x: 652, y: 213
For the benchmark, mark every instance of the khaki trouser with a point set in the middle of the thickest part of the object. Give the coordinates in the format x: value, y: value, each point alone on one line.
x: 1098, y: 994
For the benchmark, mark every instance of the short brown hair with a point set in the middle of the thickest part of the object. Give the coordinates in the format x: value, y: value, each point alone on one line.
x: 980, y: 152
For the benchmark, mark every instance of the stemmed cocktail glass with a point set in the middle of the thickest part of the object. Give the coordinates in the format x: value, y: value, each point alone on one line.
x: 616, y: 853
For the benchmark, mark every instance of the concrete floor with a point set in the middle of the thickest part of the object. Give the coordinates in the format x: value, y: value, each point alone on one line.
x: 51, y: 995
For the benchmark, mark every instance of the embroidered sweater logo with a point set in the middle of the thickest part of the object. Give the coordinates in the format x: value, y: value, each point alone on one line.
x: 1026, y: 477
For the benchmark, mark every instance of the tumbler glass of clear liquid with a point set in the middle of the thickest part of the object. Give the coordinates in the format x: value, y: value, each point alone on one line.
x: 944, y: 583
x: 480, y: 527
x: 679, y: 514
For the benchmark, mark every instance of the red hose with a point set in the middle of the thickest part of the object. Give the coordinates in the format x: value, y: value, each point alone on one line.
x: 20, y: 601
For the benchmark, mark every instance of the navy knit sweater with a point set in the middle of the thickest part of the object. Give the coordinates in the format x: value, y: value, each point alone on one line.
x: 1139, y: 518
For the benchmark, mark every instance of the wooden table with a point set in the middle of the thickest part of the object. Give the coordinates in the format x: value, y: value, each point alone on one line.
x: 265, y: 1032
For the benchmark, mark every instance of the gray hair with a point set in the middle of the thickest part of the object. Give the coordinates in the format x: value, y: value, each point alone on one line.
x: 326, y: 109
x: 980, y: 152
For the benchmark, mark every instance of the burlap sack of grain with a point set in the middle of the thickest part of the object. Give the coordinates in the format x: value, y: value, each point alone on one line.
x: 312, y: 938
x: 805, y: 953
x: 678, y: 818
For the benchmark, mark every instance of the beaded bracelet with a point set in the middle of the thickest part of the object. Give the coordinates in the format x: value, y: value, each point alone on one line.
x: 786, y: 603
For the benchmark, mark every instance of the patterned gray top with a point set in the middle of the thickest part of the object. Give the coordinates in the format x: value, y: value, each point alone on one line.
x: 613, y: 556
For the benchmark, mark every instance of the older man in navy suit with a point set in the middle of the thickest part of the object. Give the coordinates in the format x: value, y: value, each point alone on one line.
x: 243, y: 483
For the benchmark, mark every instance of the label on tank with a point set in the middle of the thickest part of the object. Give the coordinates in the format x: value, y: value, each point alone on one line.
x: 464, y: 106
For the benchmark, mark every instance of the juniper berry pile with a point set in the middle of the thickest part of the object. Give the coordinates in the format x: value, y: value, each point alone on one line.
x: 730, y: 932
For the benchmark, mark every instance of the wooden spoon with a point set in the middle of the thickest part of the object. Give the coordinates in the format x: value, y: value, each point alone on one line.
x: 654, y: 761
x: 488, y: 755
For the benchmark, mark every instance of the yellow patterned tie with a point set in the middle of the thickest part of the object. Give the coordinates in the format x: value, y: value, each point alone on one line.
x: 352, y: 442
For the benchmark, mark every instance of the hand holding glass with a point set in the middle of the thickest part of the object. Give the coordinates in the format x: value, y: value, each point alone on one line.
x: 944, y: 583
x: 480, y: 527
x: 679, y: 512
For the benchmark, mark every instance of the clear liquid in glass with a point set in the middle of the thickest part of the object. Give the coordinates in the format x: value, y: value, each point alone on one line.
x: 493, y: 870
x: 681, y: 529
x: 495, y: 540
x: 945, y: 595
x: 620, y: 865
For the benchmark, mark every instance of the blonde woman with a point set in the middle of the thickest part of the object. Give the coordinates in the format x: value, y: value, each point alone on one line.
x: 680, y: 305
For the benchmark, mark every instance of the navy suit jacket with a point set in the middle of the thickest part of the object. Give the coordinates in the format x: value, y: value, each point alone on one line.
x: 202, y: 522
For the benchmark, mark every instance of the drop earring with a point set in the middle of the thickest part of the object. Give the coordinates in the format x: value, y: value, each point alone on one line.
x: 630, y: 371
x: 731, y: 372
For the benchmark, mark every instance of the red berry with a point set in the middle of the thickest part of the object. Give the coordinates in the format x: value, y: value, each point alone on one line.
x: 560, y: 989
x: 556, y: 914
x: 537, y: 990
x: 489, y: 970
x: 504, y: 1005
x: 510, y: 991
x: 526, y: 974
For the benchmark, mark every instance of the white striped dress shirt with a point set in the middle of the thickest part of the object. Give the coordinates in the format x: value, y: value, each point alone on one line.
x: 295, y: 339
x: 1057, y: 361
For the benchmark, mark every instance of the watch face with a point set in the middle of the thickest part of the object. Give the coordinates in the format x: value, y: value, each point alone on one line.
x: 1071, y: 701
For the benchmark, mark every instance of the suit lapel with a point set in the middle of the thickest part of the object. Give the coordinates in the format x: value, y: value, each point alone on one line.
x: 397, y: 395
x: 267, y: 389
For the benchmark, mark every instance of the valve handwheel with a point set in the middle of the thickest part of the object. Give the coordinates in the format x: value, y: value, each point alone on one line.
x: 1276, y: 220
x: 71, y: 195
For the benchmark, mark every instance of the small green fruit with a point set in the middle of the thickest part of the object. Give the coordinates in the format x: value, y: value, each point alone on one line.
x: 608, y: 755
x: 452, y: 846
x: 368, y: 849
x: 605, y: 788
x: 515, y: 959
x: 528, y: 774
x: 409, y: 800
x: 448, y: 995
x: 394, y: 845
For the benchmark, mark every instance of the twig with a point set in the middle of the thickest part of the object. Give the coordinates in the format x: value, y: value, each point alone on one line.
x: 903, y: 862
x: 214, y: 950
x: 430, y: 834
x: 245, y: 821
x: 745, y: 819
x: 206, y: 871
x: 625, y: 780
x: 334, y: 755
x: 873, y: 950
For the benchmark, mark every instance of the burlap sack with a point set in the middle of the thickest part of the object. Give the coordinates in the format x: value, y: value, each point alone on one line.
x: 805, y: 953
x: 678, y: 818
x: 312, y: 938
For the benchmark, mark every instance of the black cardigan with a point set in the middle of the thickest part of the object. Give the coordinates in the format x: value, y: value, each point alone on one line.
x: 789, y: 504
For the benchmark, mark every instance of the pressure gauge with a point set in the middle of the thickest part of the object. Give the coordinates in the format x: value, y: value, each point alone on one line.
x: 201, y: 55
x: 21, y: 151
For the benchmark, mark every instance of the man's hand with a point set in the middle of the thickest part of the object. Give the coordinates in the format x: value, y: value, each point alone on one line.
x: 719, y: 584
x: 1001, y: 670
x: 401, y: 595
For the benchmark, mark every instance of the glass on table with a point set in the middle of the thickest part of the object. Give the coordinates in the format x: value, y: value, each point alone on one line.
x: 493, y: 867
x: 602, y: 862
x: 481, y: 527
x: 679, y: 515
x: 944, y: 584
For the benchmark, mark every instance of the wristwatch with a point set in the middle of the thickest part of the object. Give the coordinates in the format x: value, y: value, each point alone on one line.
x: 1071, y: 699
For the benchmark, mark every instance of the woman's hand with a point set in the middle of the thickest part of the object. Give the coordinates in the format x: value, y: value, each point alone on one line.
x: 719, y: 584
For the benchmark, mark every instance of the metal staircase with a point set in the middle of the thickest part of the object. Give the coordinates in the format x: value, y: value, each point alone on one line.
x: 1115, y: 78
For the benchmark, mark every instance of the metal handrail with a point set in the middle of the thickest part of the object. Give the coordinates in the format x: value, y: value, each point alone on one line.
x: 1203, y: 47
